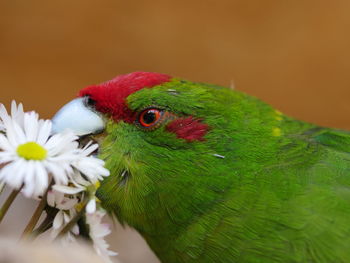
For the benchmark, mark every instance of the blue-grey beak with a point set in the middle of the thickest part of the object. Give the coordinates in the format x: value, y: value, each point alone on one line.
x: 79, y: 118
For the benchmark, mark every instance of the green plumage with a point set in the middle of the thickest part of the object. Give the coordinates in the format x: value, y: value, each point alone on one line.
x: 280, y: 194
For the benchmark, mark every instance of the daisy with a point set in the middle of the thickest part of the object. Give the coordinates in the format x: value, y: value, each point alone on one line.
x: 31, y: 155
x: 65, y: 199
x: 81, y: 186
x: 98, y: 231
x: 66, y: 206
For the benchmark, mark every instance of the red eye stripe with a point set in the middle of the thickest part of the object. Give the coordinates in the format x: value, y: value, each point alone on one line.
x: 188, y: 128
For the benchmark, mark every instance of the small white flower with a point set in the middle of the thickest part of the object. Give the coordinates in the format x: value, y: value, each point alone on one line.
x: 80, y: 186
x: 60, y: 200
x: 30, y: 154
x: 66, y: 206
x: 98, y: 231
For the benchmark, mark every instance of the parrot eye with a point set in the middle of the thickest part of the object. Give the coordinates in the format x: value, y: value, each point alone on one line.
x: 149, y: 117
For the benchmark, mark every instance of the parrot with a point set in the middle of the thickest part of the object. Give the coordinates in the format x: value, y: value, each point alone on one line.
x: 207, y: 173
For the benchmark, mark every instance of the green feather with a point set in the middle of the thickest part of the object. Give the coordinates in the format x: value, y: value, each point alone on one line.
x: 280, y: 194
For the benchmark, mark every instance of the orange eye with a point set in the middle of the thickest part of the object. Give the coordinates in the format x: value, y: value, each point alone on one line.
x: 149, y: 117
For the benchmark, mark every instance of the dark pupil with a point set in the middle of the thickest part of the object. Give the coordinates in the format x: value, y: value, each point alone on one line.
x: 149, y: 117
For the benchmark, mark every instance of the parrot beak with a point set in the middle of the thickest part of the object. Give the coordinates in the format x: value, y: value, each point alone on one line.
x: 79, y: 118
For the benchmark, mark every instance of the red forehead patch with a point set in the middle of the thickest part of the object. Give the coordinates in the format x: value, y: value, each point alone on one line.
x: 110, y: 96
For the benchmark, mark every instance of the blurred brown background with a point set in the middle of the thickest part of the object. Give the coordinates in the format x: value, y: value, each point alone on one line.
x: 293, y: 54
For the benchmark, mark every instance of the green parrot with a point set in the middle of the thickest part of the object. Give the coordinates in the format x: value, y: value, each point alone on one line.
x: 209, y: 174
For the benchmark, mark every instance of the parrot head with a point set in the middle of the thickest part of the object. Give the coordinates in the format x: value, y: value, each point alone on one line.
x: 173, y: 147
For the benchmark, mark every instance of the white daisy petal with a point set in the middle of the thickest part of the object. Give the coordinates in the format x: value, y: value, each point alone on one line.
x: 91, y: 206
x: 11, y: 134
x: 58, y: 221
x: 66, y: 218
x: 79, y: 181
x: 57, y: 172
x: 3, y: 114
x: 59, y: 198
x: 67, y: 189
x: 6, y: 171
x: 6, y: 157
x: 44, y: 132
x: 19, y: 133
x: 16, y: 174
x: 29, y: 180
x: 61, y: 142
x: 90, y: 149
x: 75, y: 230
x: 31, y: 126
x: 42, y: 179
x: 91, y: 167
x: 4, y: 144
x: 97, y: 233
x: 69, y: 204
x: 17, y: 112
x: 50, y: 198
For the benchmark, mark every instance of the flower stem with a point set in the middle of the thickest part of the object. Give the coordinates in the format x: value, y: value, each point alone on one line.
x: 36, y: 216
x: 47, y: 222
x: 74, y: 220
x: 2, y: 187
x: 8, y: 203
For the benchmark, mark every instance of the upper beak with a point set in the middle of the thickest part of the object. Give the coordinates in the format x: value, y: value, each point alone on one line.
x: 79, y: 118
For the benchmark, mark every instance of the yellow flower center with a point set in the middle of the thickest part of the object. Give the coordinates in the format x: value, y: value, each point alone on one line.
x: 79, y: 207
x: 32, y: 151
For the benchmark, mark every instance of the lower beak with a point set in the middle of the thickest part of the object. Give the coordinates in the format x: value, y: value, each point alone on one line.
x: 79, y: 118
